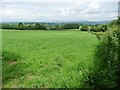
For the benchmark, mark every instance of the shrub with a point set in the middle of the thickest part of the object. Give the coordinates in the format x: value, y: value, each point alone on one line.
x: 94, y: 28
x: 99, y: 28
x: 9, y: 26
x: 99, y: 35
x: 85, y: 28
x: 30, y: 27
x: 106, y: 71
x: 21, y: 26
x: 71, y: 26
x: 40, y: 26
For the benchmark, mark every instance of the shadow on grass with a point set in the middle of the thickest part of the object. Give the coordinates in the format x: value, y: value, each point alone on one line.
x: 11, y: 66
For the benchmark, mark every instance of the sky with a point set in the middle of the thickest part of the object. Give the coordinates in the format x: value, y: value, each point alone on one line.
x: 58, y: 10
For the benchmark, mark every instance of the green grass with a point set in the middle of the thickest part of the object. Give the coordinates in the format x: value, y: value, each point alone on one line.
x: 47, y: 58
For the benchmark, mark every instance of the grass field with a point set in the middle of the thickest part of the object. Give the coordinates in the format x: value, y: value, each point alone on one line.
x: 47, y: 58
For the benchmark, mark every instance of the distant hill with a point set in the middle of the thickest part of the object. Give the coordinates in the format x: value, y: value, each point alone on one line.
x: 86, y: 22
x: 64, y: 22
x: 93, y: 23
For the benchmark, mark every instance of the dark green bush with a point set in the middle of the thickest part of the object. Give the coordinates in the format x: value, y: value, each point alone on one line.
x: 71, y: 26
x: 39, y: 26
x: 21, y: 26
x: 85, y: 28
x: 99, y: 28
x: 94, y: 28
x: 9, y: 26
x: 106, y: 71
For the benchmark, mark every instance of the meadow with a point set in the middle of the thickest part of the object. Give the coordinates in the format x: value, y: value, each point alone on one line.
x: 43, y: 58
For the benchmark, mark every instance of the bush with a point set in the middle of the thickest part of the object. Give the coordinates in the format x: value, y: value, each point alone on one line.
x: 94, y: 28
x: 71, y: 26
x: 99, y: 28
x: 30, y: 27
x: 9, y: 26
x: 99, y: 35
x: 40, y: 27
x: 21, y: 26
x: 106, y: 71
x: 85, y: 28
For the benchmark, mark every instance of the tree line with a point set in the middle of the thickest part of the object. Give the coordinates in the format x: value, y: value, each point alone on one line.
x: 43, y: 26
x: 39, y: 26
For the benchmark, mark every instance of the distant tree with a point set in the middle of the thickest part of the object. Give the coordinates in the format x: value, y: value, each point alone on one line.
x: 29, y: 27
x: 71, y: 26
x: 37, y: 26
x: 99, y: 28
x: 43, y: 27
x: 85, y: 28
x: 58, y: 27
x: 21, y: 26
x: 8, y: 26
x: 40, y: 26
x: 52, y: 28
x: 103, y: 28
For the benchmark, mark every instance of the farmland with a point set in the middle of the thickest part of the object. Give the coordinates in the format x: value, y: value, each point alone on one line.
x: 46, y: 58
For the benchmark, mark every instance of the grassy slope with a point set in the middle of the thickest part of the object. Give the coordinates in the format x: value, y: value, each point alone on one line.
x: 47, y: 58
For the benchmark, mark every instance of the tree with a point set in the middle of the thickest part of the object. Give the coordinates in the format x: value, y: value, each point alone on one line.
x: 37, y: 26
x: 104, y: 28
x: 71, y: 26
x: 21, y: 26
x: 29, y: 27
x: 40, y: 26
x: 85, y: 28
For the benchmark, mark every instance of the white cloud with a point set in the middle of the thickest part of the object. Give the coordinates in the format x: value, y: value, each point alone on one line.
x: 93, y: 8
x: 59, y: 0
x: 44, y: 10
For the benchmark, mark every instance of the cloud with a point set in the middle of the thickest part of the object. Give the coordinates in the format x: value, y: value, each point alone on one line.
x: 56, y: 10
x: 59, y: 0
x: 93, y: 8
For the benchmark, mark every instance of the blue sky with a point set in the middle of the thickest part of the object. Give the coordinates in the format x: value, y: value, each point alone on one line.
x: 58, y: 10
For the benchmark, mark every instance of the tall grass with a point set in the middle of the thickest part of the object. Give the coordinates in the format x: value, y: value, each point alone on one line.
x: 47, y: 58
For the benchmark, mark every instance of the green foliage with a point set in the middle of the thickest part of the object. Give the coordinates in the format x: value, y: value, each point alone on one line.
x: 106, y: 71
x: 59, y: 27
x: 30, y: 27
x: 99, y: 28
x: 85, y: 28
x: 99, y: 35
x: 94, y: 28
x: 56, y: 27
x: 103, y: 28
x: 40, y: 26
x: 21, y: 26
x: 71, y: 26
x: 37, y: 26
x: 114, y: 24
x: 9, y: 26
